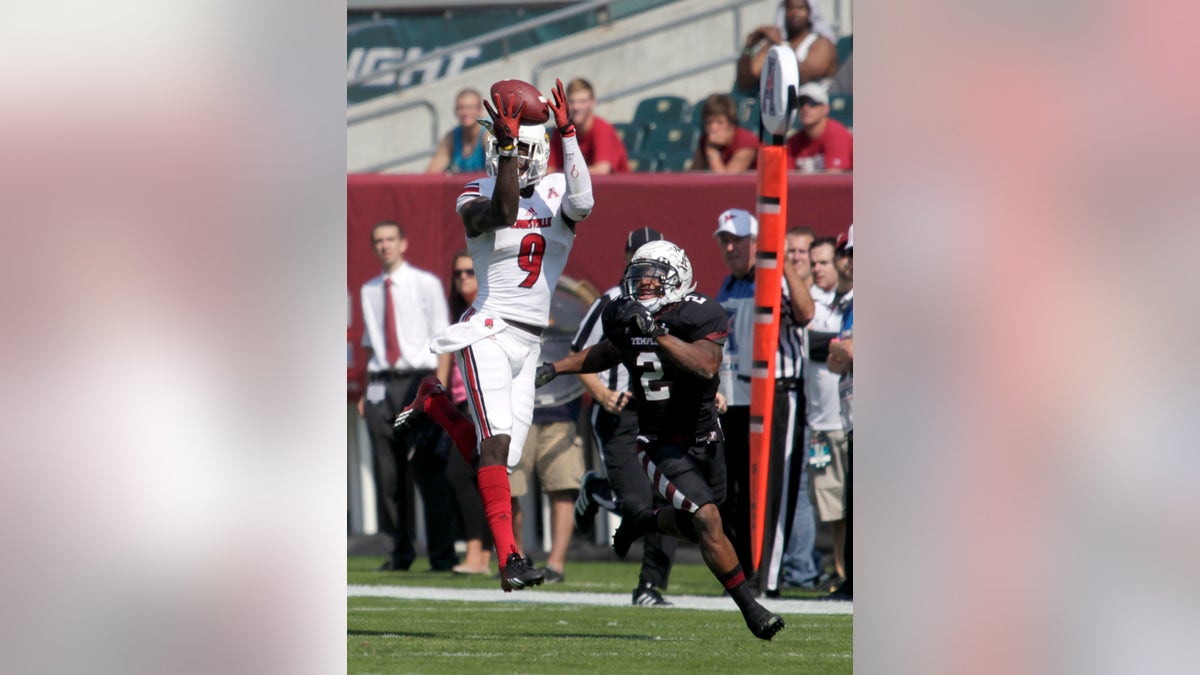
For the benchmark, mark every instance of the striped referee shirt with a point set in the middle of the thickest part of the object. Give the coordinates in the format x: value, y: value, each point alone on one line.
x: 591, y: 332
x: 737, y: 297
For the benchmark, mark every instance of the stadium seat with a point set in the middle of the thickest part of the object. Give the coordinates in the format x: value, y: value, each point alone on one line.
x: 656, y: 110
x: 643, y: 162
x: 675, y: 161
x: 748, y: 113
x: 845, y: 47
x: 841, y: 108
x: 631, y: 135
x: 673, y: 137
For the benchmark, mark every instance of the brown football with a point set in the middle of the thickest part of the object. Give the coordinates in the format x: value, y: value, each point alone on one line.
x: 536, y: 110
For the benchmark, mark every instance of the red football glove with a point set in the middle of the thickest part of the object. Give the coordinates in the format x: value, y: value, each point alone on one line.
x: 562, y: 112
x: 506, y: 123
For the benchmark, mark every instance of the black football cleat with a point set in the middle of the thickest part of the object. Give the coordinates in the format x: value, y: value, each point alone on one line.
x: 646, y: 595
x: 763, y: 622
x: 519, y: 573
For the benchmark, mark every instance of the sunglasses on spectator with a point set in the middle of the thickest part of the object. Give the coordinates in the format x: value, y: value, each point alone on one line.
x: 804, y: 100
x: 464, y: 273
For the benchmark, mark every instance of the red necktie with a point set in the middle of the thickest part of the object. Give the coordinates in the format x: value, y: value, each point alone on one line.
x: 392, y: 340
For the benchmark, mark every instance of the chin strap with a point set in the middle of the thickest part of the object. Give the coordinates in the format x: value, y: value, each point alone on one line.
x: 578, y: 203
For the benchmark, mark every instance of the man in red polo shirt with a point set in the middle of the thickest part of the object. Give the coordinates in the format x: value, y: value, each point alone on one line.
x: 823, y: 144
x: 598, y: 141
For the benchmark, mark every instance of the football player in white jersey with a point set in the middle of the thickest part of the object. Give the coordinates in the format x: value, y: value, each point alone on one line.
x: 520, y: 225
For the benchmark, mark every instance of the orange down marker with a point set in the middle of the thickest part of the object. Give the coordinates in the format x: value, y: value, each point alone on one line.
x: 768, y: 275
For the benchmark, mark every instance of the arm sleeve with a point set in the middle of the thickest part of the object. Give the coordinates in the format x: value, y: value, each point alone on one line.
x: 578, y: 201
x: 470, y: 193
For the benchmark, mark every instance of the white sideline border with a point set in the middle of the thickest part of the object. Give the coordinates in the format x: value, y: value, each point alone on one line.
x: 777, y: 605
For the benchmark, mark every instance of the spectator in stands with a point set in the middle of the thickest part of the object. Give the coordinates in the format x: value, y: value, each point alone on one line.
x: 724, y: 146
x: 816, y: 55
x: 463, y: 289
x: 823, y: 144
x: 598, y: 141
x: 461, y: 149
x: 555, y: 451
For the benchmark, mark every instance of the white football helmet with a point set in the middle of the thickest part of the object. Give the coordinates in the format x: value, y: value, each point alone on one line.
x: 533, y: 146
x: 665, y: 262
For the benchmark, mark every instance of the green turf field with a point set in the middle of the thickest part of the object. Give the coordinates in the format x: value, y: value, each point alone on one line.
x: 393, y: 635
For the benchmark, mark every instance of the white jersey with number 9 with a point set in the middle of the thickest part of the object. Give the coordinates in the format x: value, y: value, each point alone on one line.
x: 518, y: 267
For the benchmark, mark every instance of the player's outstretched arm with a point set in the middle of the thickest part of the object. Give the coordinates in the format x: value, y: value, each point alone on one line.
x: 702, y: 358
x: 598, y: 357
x: 578, y: 201
x: 499, y: 212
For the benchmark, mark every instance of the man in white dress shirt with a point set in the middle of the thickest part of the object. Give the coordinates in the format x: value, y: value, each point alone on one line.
x: 402, y: 308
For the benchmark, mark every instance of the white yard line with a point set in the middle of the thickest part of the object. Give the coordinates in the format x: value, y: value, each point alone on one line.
x: 778, y: 605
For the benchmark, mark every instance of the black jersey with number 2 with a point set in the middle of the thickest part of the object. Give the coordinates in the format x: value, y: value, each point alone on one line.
x: 672, y: 402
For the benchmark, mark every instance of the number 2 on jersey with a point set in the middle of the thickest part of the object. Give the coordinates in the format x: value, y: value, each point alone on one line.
x: 533, y: 247
x: 653, y: 386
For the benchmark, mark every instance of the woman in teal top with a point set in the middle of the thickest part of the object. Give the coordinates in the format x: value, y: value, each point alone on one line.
x: 461, y: 150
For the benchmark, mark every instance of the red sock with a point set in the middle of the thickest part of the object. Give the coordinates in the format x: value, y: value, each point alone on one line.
x: 460, y: 427
x: 497, y: 504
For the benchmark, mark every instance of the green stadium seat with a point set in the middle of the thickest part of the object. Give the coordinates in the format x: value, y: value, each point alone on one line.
x: 748, y: 113
x: 675, y: 161
x: 656, y: 110
x: 631, y: 134
x: 845, y: 47
x: 643, y: 162
x: 672, y: 137
x: 841, y: 108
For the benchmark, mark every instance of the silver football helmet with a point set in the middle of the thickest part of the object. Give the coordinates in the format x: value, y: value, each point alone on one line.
x: 533, y: 146
x: 658, y: 274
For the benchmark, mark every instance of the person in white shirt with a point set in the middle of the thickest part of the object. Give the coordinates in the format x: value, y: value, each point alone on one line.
x: 402, y: 308
x: 827, y: 449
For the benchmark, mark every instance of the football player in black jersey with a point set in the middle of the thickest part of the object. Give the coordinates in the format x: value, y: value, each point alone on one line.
x: 670, y: 340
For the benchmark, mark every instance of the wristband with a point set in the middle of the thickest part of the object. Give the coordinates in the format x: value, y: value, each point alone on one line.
x: 510, y: 151
x: 567, y: 130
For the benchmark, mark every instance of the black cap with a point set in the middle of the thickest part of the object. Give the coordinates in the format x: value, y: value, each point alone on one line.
x: 641, y: 236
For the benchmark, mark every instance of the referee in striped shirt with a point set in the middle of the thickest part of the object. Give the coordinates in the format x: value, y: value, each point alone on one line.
x: 737, y: 232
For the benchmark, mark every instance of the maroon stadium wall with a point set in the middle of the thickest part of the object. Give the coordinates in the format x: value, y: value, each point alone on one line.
x: 683, y: 206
